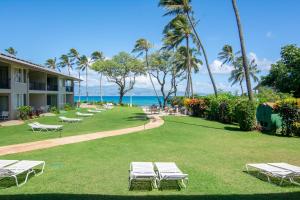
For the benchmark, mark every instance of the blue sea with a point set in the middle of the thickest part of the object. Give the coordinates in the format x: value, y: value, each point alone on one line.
x: 136, y: 100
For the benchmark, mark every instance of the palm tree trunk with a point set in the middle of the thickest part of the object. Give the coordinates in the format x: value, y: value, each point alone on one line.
x: 189, y: 67
x: 79, y: 92
x: 86, y: 85
x: 147, y: 63
x: 242, y: 89
x: 204, y: 54
x: 101, y: 99
x: 244, y: 55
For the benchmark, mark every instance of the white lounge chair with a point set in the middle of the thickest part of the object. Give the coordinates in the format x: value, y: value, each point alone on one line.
x: 271, y: 171
x: 70, y: 120
x: 21, y: 167
x: 168, y: 171
x: 4, y: 163
x: 142, y: 171
x: 84, y: 114
x: 4, y: 115
x: 100, y: 109
x: 293, y: 168
x: 36, y: 126
x: 94, y: 111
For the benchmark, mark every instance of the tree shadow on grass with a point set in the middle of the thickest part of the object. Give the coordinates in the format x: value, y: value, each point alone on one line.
x: 56, y: 196
x: 138, y: 117
x: 274, y: 181
x: 192, y: 124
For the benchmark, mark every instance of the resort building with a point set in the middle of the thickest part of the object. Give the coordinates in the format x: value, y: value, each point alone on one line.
x: 25, y: 83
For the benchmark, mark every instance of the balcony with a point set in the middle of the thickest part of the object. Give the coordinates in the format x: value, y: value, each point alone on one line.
x: 52, y: 87
x: 37, y: 86
x: 69, y: 89
x: 4, y: 84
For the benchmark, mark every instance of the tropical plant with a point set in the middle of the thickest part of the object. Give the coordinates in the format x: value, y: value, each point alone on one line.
x: 243, y: 50
x: 11, y: 51
x: 181, y: 60
x: 245, y: 114
x: 237, y: 74
x: 66, y: 61
x: 143, y: 46
x: 74, y: 55
x: 122, y: 70
x: 24, y: 112
x: 176, y: 7
x: 175, y: 33
x: 161, y: 67
x: 83, y: 65
x: 52, y: 64
x: 284, y: 75
x: 98, y: 56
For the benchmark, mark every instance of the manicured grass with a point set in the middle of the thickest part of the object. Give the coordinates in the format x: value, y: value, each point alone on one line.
x: 213, y: 155
x: 119, y: 117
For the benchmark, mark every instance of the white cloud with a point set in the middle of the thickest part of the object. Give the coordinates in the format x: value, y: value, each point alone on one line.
x: 263, y: 63
x: 216, y: 67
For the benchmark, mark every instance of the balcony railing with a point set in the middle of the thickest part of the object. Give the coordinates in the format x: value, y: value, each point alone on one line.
x: 69, y: 89
x: 37, y: 86
x: 52, y: 87
x: 4, y: 84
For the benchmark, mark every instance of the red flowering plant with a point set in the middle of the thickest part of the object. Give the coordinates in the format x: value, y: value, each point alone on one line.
x: 197, y: 106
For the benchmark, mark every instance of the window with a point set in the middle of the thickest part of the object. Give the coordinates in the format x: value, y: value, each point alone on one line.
x: 24, y: 100
x: 24, y: 76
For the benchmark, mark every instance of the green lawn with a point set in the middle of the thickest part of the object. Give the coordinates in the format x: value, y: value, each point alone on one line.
x: 213, y: 155
x: 119, y: 117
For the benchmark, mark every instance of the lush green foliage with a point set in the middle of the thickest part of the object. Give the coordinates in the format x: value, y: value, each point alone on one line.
x: 245, y: 115
x: 213, y: 154
x: 269, y: 95
x: 288, y: 110
x: 119, y: 70
x: 68, y: 107
x: 176, y: 101
x: 54, y: 110
x: 284, y: 75
x: 24, y: 112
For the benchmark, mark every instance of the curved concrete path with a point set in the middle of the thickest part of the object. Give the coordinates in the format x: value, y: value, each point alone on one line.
x: 155, y: 121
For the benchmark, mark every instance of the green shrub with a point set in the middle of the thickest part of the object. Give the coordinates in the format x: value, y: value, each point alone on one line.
x: 269, y: 95
x: 288, y: 111
x: 24, y: 112
x: 245, y: 114
x: 54, y: 110
x: 197, y: 106
x: 68, y: 107
x: 226, y: 114
x: 176, y: 101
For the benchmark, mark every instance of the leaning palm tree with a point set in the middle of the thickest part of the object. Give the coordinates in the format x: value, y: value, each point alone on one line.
x: 74, y: 55
x: 51, y: 63
x: 66, y: 61
x: 181, y: 61
x: 11, y: 51
x: 98, y: 56
x: 177, y: 31
x: 175, y: 7
x: 142, y: 46
x: 243, y: 49
x: 83, y: 65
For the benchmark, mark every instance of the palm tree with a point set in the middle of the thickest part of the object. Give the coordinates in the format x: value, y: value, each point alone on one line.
x: 11, y: 51
x: 51, y: 63
x: 181, y: 61
x: 98, y: 56
x: 74, y: 54
x: 66, y: 61
x: 142, y: 46
x: 243, y: 49
x: 175, y: 7
x: 83, y: 65
x: 238, y: 75
x: 175, y: 33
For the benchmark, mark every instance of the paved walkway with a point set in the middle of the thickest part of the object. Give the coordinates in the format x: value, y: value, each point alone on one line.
x: 11, y: 123
x: 155, y: 121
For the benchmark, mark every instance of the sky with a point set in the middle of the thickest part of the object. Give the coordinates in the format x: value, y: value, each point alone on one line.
x: 39, y: 30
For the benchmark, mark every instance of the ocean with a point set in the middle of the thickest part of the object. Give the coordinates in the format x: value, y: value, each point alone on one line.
x: 136, y: 100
